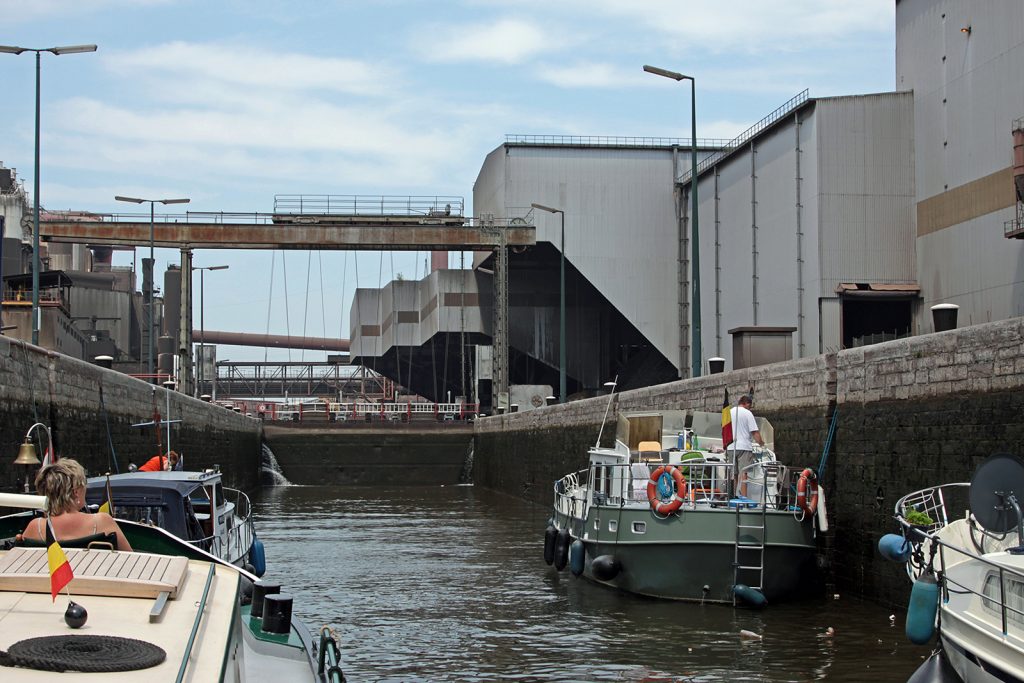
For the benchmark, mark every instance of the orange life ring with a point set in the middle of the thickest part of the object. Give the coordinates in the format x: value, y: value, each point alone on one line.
x: 673, y: 503
x: 807, y: 491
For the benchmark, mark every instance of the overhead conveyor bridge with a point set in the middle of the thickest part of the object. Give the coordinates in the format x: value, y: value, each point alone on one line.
x: 331, y: 222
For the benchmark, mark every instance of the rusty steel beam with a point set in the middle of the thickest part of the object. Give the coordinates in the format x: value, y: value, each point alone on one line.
x: 280, y: 341
x: 263, y: 231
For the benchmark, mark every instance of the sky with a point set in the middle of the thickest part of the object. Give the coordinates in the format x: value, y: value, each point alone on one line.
x: 232, y: 102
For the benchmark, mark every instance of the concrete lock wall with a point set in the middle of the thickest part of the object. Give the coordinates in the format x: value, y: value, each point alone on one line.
x: 64, y: 393
x: 351, y: 455
x: 910, y: 414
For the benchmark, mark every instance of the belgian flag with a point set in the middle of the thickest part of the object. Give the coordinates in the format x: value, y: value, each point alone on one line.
x: 726, y: 422
x: 60, y: 568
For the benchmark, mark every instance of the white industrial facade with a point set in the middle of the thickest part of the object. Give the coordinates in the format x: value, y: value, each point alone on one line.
x: 818, y: 198
x: 621, y: 230
x: 833, y: 222
x: 964, y: 62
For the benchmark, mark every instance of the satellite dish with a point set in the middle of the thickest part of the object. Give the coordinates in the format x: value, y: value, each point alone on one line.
x: 517, y: 221
x: 996, y: 479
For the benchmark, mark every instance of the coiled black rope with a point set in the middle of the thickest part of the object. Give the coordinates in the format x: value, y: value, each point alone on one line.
x: 88, y: 654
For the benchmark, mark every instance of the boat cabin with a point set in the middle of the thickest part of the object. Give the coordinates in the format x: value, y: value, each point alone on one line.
x: 190, y: 505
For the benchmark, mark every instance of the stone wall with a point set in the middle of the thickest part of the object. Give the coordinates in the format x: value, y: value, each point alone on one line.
x: 81, y: 402
x: 909, y: 414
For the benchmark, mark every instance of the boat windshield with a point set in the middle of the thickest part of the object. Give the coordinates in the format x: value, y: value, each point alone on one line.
x: 1014, y: 597
x: 153, y: 515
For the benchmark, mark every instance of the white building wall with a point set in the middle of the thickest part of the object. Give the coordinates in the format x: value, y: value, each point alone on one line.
x: 855, y: 184
x: 968, y: 89
x: 813, y: 334
x: 365, y: 314
x: 774, y: 278
x: 866, y: 190
x: 620, y: 224
x: 735, y: 298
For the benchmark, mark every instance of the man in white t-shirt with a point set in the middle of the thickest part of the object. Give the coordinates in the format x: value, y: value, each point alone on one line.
x: 745, y: 434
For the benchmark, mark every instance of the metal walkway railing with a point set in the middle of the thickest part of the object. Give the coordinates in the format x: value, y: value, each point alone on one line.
x: 746, y: 135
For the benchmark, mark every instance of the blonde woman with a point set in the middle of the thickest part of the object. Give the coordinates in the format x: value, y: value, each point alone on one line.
x: 63, y: 484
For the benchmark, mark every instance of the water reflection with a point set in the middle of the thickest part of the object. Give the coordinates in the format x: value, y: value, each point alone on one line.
x: 449, y: 584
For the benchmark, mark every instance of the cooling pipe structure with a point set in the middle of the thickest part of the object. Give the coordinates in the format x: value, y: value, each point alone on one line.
x: 280, y: 341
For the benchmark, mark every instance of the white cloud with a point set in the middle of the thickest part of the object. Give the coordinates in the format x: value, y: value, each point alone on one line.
x: 506, y: 41
x: 24, y: 11
x: 590, y: 75
x: 250, y: 67
x: 719, y: 26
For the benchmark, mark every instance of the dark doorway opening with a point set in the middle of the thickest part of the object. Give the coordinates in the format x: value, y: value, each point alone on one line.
x: 874, y: 320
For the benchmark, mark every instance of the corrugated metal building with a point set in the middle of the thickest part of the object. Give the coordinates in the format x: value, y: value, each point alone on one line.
x: 964, y: 62
x: 624, y: 269
x: 833, y: 222
x: 806, y: 227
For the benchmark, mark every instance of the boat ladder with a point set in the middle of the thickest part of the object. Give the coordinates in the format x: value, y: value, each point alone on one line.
x: 751, y: 537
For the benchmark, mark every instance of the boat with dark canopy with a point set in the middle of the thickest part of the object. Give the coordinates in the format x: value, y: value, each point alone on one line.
x: 194, y: 506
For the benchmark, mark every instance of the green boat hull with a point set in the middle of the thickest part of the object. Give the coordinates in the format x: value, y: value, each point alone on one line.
x: 691, y: 555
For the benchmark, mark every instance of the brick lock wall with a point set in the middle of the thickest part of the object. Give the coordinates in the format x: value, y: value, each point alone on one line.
x: 911, y: 413
x: 64, y: 393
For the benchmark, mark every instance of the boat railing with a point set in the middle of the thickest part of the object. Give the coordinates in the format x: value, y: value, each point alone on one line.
x: 710, y: 483
x: 570, y: 497
x: 939, y: 503
x: 200, y: 611
x: 240, y: 529
x: 329, y: 659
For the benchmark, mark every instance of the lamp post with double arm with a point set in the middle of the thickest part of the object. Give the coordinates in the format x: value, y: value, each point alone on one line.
x: 149, y: 293
x: 15, y: 50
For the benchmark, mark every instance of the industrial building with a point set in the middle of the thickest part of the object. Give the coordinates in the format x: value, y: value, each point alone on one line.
x: 831, y: 223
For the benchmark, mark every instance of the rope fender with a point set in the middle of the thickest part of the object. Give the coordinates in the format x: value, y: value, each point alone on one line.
x: 88, y: 654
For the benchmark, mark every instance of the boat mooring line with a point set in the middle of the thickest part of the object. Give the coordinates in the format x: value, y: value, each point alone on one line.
x: 110, y: 440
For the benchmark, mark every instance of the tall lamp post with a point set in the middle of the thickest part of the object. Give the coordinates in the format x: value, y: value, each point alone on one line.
x: 149, y: 325
x: 202, y: 322
x: 561, y: 304
x: 14, y: 50
x: 694, y: 229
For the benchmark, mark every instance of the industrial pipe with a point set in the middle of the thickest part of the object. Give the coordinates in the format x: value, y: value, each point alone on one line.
x: 281, y: 341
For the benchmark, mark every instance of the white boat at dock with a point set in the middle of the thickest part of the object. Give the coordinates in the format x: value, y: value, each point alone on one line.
x: 193, y: 505
x: 967, y: 570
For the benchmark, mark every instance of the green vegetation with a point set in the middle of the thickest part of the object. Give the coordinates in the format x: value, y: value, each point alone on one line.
x: 916, y: 517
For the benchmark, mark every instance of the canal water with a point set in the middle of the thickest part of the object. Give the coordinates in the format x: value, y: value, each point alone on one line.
x: 449, y: 583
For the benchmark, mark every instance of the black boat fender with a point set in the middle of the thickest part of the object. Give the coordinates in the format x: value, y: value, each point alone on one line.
x: 605, y: 567
x: 577, y: 557
x: 549, y: 543
x: 751, y: 597
x: 562, y: 540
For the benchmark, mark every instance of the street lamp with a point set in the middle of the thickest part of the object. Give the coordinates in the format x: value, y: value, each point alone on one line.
x: 14, y: 50
x: 149, y: 326
x: 561, y: 304
x: 169, y: 385
x: 202, y: 322
x: 694, y: 231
